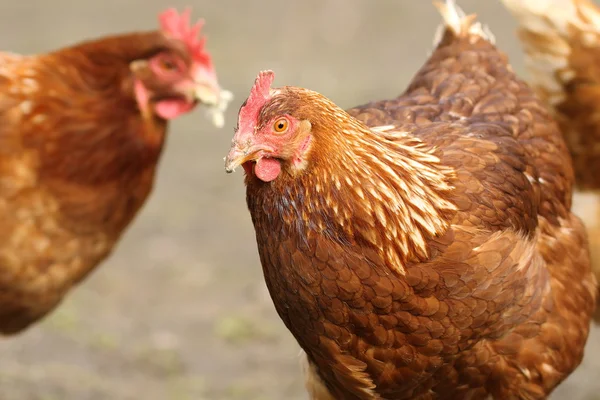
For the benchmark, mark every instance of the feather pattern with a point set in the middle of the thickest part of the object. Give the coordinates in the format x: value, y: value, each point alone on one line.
x: 78, y: 157
x: 426, y: 247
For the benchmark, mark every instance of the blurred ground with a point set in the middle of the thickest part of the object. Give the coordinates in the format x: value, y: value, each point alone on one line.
x: 181, y: 311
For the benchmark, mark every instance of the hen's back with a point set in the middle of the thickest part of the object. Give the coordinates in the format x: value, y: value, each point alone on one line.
x: 468, y: 81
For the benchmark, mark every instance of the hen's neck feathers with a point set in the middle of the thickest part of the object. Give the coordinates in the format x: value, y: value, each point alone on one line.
x: 100, y: 69
x: 125, y: 47
x: 81, y: 99
x: 384, y: 190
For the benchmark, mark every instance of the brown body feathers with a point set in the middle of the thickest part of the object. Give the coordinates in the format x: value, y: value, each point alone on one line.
x: 422, y: 247
x: 79, y: 145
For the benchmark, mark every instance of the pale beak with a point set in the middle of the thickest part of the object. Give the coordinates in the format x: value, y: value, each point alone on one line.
x: 243, y: 151
x: 207, y: 95
x: 235, y: 158
x: 216, y: 100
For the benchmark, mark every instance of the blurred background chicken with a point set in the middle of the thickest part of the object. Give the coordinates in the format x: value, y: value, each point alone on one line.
x: 421, y: 247
x: 177, y: 312
x: 82, y: 130
x: 562, y: 45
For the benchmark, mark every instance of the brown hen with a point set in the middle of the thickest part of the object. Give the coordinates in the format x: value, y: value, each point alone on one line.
x: 562, y: 45
x: 421, y: 247
x: 81, y: 133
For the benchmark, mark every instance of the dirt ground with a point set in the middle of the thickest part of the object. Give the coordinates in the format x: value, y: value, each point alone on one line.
x: 180, y: 311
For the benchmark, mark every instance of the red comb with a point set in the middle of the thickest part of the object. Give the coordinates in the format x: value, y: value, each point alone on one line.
x: 178, y: 26
x: 259, y: 95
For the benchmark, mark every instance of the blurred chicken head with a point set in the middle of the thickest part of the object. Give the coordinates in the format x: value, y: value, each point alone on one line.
x: 171, y: 82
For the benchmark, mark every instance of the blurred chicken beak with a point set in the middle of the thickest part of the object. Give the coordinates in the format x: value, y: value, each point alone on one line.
x: 208, y: 95
x: 215, y: 98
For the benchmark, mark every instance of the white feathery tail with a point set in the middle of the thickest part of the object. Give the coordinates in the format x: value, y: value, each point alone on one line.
x: 460, y: 23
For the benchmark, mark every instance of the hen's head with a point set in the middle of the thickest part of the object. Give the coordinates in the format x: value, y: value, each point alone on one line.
x: 276, y: 129
x: 172, y: 81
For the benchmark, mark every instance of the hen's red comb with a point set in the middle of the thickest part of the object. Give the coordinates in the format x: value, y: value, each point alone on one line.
x: 178, y: 26
x: 259, y: 95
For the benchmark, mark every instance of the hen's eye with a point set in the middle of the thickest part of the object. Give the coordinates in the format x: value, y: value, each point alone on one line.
x: 280, y: 125
x: 168, y: 65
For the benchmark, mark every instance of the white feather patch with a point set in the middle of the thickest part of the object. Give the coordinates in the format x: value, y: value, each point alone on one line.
x: 458, y: 22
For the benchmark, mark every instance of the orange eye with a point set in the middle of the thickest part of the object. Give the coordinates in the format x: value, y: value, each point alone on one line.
x: 280, y: 125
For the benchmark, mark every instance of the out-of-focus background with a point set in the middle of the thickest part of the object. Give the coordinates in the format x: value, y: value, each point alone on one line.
x: 180, y: 311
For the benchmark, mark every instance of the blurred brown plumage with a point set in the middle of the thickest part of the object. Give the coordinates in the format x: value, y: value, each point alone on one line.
x: 81, y: 133
x: 421, y: 247
x: 562, y: 44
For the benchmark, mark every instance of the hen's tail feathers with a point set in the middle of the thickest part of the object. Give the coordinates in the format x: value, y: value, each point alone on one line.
x: 549, y: 31
x: 314, y: 385
x: 459, y: 24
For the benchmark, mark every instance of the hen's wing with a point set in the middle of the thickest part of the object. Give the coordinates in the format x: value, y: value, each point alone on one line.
x: 562, y: 45
x: 495, y: 314
x: 470, y: 320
